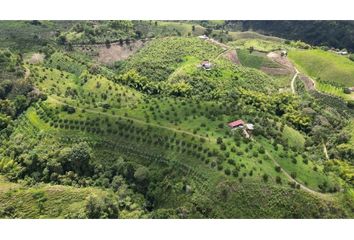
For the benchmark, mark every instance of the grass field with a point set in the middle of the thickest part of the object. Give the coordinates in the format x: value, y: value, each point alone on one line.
x: 324, y: 66
x: 259, y: 44
x: 183, y: 28
x: 254, y: 35
x: 255, y: 59
x: 294, y: 138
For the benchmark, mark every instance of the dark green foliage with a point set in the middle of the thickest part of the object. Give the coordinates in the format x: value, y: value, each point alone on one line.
x: 107, y: 207
x: 337, y: 34
x: 77, y: 158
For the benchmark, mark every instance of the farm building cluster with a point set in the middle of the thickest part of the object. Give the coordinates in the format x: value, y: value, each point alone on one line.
x: 247, y: 128
x: 339, y: 52
x: 349, y: 90
x: 206, y: 65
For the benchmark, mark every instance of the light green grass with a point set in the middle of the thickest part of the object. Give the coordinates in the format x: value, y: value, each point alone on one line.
x: 183, y: 28
x: 255, y: 59
x: 259, y: 44
x: 253, y: 35
x: 294, y: 138
x: 324, y: 66
x: 336, y: 91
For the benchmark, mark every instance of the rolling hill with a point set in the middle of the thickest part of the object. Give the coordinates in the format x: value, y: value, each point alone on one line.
x: 149, y: 136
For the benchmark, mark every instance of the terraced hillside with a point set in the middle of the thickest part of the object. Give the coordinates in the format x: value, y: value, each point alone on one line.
x: 149, y: 138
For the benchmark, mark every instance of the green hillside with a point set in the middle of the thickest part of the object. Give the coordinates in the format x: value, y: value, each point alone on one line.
x: 57, y: 201
x: 325, y: 67
x: 148, y: 137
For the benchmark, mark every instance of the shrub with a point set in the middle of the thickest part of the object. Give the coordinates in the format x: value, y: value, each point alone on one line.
x: 68, y: 109
x: 277, y: 168
x: 351, y: 57
x: 235, y: 172
x: 351, y: 104
x: 278, y: 180
x: 231, y: 161
x: 265, y: 177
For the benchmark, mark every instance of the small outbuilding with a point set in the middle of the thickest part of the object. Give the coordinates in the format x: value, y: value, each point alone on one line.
x: 249, y: 126
x: 206, y: 65
x: 349, y: 90
x: 204, y: 37
x: 236, y: 124
x: 343, y: 52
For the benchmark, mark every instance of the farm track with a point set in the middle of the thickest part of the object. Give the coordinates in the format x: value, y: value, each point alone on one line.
x: 27, y: 72
x: 293, y: 80
x: 305, y: 188
x: 202, y: 182
x: 226, y: 49
x: 310, y: 85
x: 129, y: 118
x: 325, y: 151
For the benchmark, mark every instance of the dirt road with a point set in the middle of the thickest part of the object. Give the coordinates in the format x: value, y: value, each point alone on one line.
x: 305, y: 188
x: 129, y: 118
x: 293, y: 81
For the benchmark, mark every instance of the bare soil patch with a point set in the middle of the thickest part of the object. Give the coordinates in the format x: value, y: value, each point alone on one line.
x: 115, y: 52
x: 309, y: 84
x: 284, y: 61
x: 232, y: 56
x: 36, y: 58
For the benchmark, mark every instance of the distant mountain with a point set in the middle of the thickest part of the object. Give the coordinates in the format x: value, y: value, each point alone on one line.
x: 338, y: 34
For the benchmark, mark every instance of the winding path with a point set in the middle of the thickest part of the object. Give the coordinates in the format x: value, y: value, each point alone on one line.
x: 27, y: 72
x: 293, y: 80
x: 128, y: 118
x: 307, y: 189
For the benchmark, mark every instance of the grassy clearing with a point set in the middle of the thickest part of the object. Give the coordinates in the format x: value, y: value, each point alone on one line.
x: 183, y: 28
x: 294, y: 138
x: 259, y: 44
x: 324, y: 66
x: 255, y: 59
x: 254, y: 35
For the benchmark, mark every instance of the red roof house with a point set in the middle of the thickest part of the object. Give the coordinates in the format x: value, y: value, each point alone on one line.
x: 236, y: 123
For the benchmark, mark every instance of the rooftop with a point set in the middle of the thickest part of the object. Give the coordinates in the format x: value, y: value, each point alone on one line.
x: 236, y: 123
